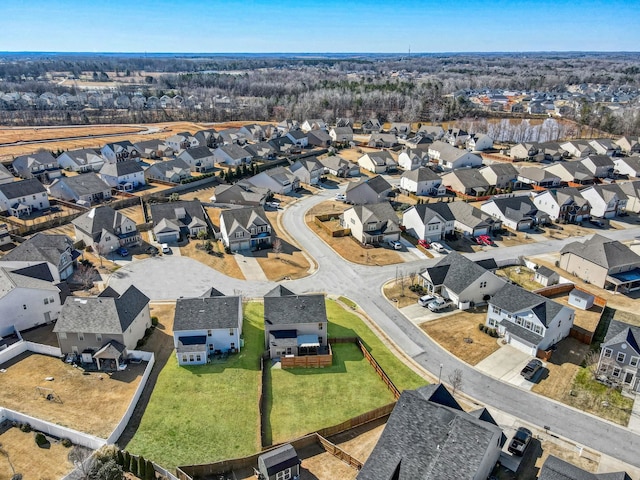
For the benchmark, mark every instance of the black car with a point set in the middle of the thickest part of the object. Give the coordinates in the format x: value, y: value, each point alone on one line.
x: 520, y: 441
x: 531, y: 369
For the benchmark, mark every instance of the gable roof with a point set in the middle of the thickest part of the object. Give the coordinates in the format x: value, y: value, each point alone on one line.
x: 98, y: 219
x: 120, y: 169
x: 623, y: 332
x: 469, y: 177
x: 512, y: 298
x: 280, y: 459
x: 207, y: 313
x: 421, y: 174
x: 515, y: 208
x: 187, y: 209
x: 455, y: 271
x: 279, y: 291
x: 294, y: 309
x: 448, y: 153
x: 243, y: 217
x: 175, y: 165
x: 11, y: 279
x: 101, y: 314
x: 376, y: 212
x: 4, y: 173
x: 238, y: 194
x: 42, y: 158
x: 234, y: 151
x: 554, y: 468
x: 22, y: 188
x: 427, y: 211
x: 378, y: 184
x: 603, y: 252
x: 501, y: 169
x: 196, y: 153
x: 40, y: 247
x: 84, y: 184
x: 469, y: 215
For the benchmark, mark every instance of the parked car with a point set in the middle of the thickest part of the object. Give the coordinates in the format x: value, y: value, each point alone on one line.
x: 123, y: 252
x: 424, y: 243
x: 520, y: 441
x: 341, y: 197
x: 425, y: 300
x: 438, y: 247
x: 275, y: 205
x: 439, y: 304
x: 396, y: 245
x: 531, y: 369
x: 483, y: 240
x: 165, y: 248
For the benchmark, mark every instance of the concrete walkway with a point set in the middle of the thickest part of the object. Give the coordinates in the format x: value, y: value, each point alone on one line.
x: 250, y: 267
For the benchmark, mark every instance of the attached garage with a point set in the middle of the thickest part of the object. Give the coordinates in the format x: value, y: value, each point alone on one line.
x: 525, y: 224
x: 481, y: 231
x: 166, y: 231
x: 240, y: 246
x: 521, y: 344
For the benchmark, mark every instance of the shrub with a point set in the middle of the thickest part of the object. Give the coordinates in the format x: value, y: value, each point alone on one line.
x: 151, y: 472
x: 41, y: 440
x: 154, y: 321
x: 66, y: 443
x: 480, y: 326
x: 25, y: 427
x: 142, y: 467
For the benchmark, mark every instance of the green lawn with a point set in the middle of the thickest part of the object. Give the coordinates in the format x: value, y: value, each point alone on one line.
x: 203, y: 414
x: 343, y: 323
x: 598, y: 399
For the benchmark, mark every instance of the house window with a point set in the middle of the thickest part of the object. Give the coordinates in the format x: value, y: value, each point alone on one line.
x: 239, y: 234
x: 232, y: 346
x: 538, y: 329
x: 284, y: 474
x: 518, y: 321
x: 231, y: 331
x: 81, y: 336
x: 98, y: 337
x: 621, y: 356
x: 483, y: 284
x: 497, y: 310
x: 616, y: 372
x: 24, y: 307
x: 492, y: 323
x: 633, y: 362
x: 607, y: 353
x: 191, y: 358
x: 46, y: 301
x: 62, y: 336
x: 184, y: 359
x: 320, y: 326
x: 209, y: 333
x: 198, y: 358
x: 50, y: 299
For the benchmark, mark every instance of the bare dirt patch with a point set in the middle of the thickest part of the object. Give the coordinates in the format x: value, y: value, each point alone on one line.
x: 561, y: 369
x: 454, y: 332
x: 523, y: 276
x: 30, y: 460
x: 93, y: 403
x: 134, y: 212
x: 217, y: 259
x: 360, y: 442
x: 587, y: 319
x: 402, y: 295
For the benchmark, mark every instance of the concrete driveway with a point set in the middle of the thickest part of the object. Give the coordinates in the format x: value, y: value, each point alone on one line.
x: 419, y: 314
x: 505, y: 364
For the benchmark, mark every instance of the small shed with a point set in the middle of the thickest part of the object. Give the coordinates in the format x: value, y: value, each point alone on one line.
x: 581, y: 299
x: 546, y: 277
x: 279, y: 463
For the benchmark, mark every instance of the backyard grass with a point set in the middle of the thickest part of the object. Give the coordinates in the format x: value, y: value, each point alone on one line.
x: 207, y: 413
x: 350, y: 387
x: 343, y: 323
x: 523, y: 276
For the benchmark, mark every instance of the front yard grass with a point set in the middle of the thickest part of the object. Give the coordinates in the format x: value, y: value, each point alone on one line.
x: 207, y: 413
x: 217, y: 259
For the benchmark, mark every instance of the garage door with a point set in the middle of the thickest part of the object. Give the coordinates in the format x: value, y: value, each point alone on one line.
x: 481, y: 231
x: 520, y: 345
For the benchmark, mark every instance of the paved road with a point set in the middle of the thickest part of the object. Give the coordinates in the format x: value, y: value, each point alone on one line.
x: 363, y: 285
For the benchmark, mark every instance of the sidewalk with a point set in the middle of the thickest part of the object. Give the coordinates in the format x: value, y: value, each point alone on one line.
x: 250, y: 267
x: 634, y: 420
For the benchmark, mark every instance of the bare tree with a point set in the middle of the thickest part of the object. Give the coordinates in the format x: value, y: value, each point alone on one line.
x: 412, y: 277
x: 84, y: 461
x: 403, y: 282
x: 85, y: 274
x: 277, y: 247
x: 455, y: 379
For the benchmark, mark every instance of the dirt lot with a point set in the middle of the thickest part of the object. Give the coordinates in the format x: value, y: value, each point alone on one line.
x: 93, y: 403
x: 394, y: 289
x: 360, y: 442
x: 450, y: 332
x: 30, y: 460
x: 523, y: 276
x: 134, y: 212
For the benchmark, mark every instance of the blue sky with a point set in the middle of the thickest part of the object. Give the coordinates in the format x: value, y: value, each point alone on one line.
x: 319, y: 26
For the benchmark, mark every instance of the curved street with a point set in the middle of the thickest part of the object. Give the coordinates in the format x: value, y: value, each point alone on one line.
x: 363, y: 285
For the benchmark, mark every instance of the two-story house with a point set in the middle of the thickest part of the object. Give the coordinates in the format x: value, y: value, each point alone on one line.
x: 245, y: 228
x: 428, y: 221
x: 277, y: 180
x: 103, y: 328
x: 449, y: 157
x: 105, y: 230
x: 308, y: 170
x: 516, y: 213
x: 500, y: 175
x: 294, y: 324
x: 373, y: 223
x: 571, y: 173
x: 85, y: 189
x: 412, y: 158
x: 82, y: 160
x: 200, y: 159
x: 378, y: 162
x: 468, y: 181
x: 619, y: 358
x: 564, y: 205
x: 56, y: 250
x: 206, y: 325
x: 119, y: 151
x: 528, y: 321
x: 126, y: 175
x: 173, y: 220
x: 538, y: 177
x: 182, y: 141
x: 40, y: 165
x: 422, y: 181
x: 600, y: 166
x: 341, y: 134
x: 232, y: 155
x: 22, y: 198
x: 174, y: 171
x: 368, y: 190
x: 340, y: 167
x: 607, y: 201
x: 629, y: 166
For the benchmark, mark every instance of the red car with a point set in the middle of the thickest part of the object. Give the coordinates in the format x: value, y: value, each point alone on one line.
x: 484, y: 240
x: 423, y: 243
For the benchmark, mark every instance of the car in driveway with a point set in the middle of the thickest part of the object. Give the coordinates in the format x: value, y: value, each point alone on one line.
x: 424, y: 243
x: 341, y: 197
x: 275, y: 205
x: 438, y: 247
x: 123, y: 252
x: 425, y: 300
x: 531, y: 369
x: 439, y: 304
x: 520, y: 441
x: 165, y: 248
x: 395, y: 244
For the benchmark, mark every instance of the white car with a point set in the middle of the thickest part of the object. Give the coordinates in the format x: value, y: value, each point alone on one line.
x: 396, y: 245
x: 425, y: 300
x: 275, y: 205
x: 165, y: 248
x: 438, y: 247
x: 341, y: 197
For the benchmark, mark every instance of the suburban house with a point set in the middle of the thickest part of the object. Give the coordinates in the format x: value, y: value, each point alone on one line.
x: 371, y: 126
x: 400, y: 129
x: 545, y: 276
x: 456, y: 137
x: 516, y: 213
x: 263, y: 150
x: 253, y: 132
x: 199, y: 159
x: 41, y: 165
x: 173, y: 171
x: 279, y: 464
x: 288, y: 124
x: 571, y: 173
x: 538, y: 177
x: 341, y: 134
x: 56, y: 250
x: 564, y: 205
x: 230, y: 136
x: 378, y: 162
x: 422, y: 181
x: 83, y: 160
x: 319, y: 138
x: 103, y: 328
x: 619, y: 359
x: 154, y: 149
x: 85, y: 189
x: 606, y: 147
x: 5, y: 175
x: 629, y: 145
x: 382, y: 140
x: 119, y: 151
x: 277, y: 180
x: 500, y: 175
x: 182, y: 141
x: 629, y: 166
x: 240, y: 194
x: 412, y: 158
x: 105, y: 230
x: 245, y: 228
x: 461, y: 280
x: 21, y: 198
x: 206, y: 325
x: 207, y: 137
x: 578, y: 148
x: 468, y: 181
x: 603, y: 262
x: 419, y: 140
x: 429, y: 436
x: 470, y: 220
x: 281, y: 145
x: 600, y: 166
x: 294, y: 324
x: 607, y: 201
x: 554, y: 468
x: 338, y: 166
x: 436, y: 132
x: 313, y: 124
x: 126, y: 175
x: 232, y: 155
x: 373, y: 223
x: 427, y: 223
x: 526, y: 151
x: 26, y: 301
x: 5, y: 236
x: 368, y: 190
x: 298, y: 138
x: 344, y: 122
x: 632, y: 191
x: 172, y: 220
x: 528, y: 321
x: 308, y: 170
x: 479, y: 143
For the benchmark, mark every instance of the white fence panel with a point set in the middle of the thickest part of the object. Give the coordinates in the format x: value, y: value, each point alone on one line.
x: 44, y: 349
x: 13, y: 351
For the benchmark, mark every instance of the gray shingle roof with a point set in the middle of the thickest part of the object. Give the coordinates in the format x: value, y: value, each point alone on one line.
x: 455, y: 271
x: 22, y: 188
x: 245, y: 217
x: 196, y: 153
x: 428, y: 211
x: 85, y: 184
x: 515, y: 208
x: 10, y: 280
x: 377, y: 183
x: 620, y: 331
x: 280, y: 459
x: 376, y: 212
x: 290, y: 309
x: 470, y: 178
x: 603, y: 251
x: 469, y: 215
x: 171, y: 210
x: 544, y: 271
x: 40, y: 247
x: 421, y: 174
x: 207, y: 313
x: 513, y: 299
x: 428, y: 441
x: 98, y: 219
x: 102, y: 314
x: 119, y: 169
x: 557, y: 469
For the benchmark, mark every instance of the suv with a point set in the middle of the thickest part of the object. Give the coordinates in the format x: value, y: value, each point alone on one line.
x: 341, y: 197
x: 396, y: 245
x: 438, y: 247
x: 425, y: 300
x: 520, y: 441
x: 531, y: 369
x: 438, y: 304
x: 166, y: 248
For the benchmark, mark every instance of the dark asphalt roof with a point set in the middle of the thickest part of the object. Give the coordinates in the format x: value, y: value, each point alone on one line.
x: 294, y: 309
x: 513, y: 299
x: 556, y: 469
x: 207, y: 313
x: 85, y: 184
x: 280, y: 458
x: 603, y: 251
x: 623, y: 332
x: 22, y: 188
x: 455, y: 271
x: 40, y: 247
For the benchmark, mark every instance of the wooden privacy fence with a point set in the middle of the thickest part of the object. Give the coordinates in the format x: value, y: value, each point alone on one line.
x: 307, y: 361
x: 339, y: 453
x: 358, y: 421
x: 339, y: 232
x: 581, y: 334
x: 376, y: 366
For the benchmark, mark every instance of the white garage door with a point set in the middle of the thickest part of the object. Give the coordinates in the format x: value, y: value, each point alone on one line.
x: 522, y: 346
x: 167, y: 237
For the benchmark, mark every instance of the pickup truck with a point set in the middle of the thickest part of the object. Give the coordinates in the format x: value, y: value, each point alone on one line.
x: 438, y: 304
x: 531, y: 368
x: 520, y: 441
